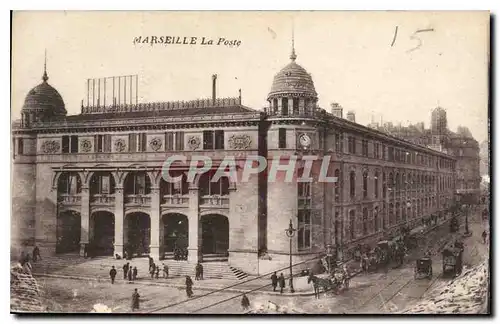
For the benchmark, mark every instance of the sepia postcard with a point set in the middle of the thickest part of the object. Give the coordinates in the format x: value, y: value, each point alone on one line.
x: 250, y: 162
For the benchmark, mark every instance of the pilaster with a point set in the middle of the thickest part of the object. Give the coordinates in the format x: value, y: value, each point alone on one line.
x: 194, y: 248
x: 119, y: 215
x: 84, y: 218
x: 154, y: 247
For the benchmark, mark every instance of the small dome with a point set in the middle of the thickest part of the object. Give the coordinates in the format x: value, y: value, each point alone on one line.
x: 293, y: 78
x: 45, y: 98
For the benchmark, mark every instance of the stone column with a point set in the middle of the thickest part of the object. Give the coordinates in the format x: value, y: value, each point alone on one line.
x: 119, y: 216
x: 280, y: 106
x: 194, y: 249
x: 85, y: 219
x: 154, y: 247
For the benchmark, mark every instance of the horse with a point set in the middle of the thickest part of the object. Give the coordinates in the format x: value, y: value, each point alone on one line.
x: 319, y: 283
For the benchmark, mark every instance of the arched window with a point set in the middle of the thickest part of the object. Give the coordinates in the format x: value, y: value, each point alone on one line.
x: 337, y: 185
x: 352, y: 184
x: 375, y: 220
x: 398, y: 182
x: 365, y: 184
x: 175, y: 188
x: 391, y: 214
x: 398, y: 213
x: 275, y: 106
x: 403, y: 182
x: 352, y: 224
x: 376, y: 184
x: 69, y: 183
x: 137, y: 183
x: 365, y: 221
x: 391, y: 182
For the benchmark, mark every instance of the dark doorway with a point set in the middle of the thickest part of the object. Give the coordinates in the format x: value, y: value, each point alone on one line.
x: 68, y: 232
x: 103, y: 225
x: 176, y: 232
x: 138, y: 233
x: 215, y: 234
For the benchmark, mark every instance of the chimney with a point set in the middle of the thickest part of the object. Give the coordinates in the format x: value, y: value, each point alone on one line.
x: 351, y: 116
x: 336, y: 109
x: 214, y: 88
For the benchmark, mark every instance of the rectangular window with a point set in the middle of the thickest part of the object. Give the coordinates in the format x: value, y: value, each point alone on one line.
x: 179, y: 141
x: 382, y: 155
x: 73, y: 144
x: 295, y: 103
x: 339, y: 140
x: 282, y: 138
x: 391, y: 154
x: 99, y: 143
x: 219, y: 139
x: 304, y: 229
x: 169, y: 141
x: 65, y: 144
x: 107, y: 143
x: 132, y: 142
x: 20, y: 146
x: 208, y: 140
x: 365, y: 148
x: 285, y: 106
x: 351, y: 145
x: 142, y: 142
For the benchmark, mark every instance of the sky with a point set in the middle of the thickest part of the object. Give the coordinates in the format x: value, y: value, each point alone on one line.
x: 368, y: 62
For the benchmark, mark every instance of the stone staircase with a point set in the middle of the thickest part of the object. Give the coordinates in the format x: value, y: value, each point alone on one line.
x: 74, y: 265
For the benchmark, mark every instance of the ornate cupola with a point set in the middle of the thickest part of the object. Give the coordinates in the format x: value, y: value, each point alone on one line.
x: 292, y: 92
x: 42, y: 102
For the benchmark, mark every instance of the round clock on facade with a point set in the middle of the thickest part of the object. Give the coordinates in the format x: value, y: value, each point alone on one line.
x: 304, y: 140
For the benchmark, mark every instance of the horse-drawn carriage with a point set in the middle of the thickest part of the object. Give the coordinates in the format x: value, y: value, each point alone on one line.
x: 335, y: 282
x: 423, y: 268
x: 391, y: 251
x: 452, y: 260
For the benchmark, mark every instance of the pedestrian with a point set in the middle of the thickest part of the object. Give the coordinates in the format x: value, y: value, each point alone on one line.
x: 152, y: 271
x: 201, y: 270
x: 125, y: 271
x: 165, y: 271
x: 135, y: 300
x: 130, y: 274
x: 85, y: 250
x: 189, y: 286
x: 485, y: 236
x: 112, y: 274
x: 197, y: 271
x: 151, y: 262
x: 157, y: 274
x: 281, y: 282
x: 245, y: 303
x: 134, y: 274
x: 36, y: 254
x: 274, y: 280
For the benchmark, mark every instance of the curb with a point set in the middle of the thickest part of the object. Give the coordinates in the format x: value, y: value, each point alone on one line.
x: 205, y: 288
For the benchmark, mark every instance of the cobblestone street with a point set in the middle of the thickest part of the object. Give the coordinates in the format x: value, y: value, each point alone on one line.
x: 369, y: 293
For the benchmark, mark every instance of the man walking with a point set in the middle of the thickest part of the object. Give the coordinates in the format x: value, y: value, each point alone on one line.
x: 130, y: 274
x: 125, y: 271
x: 134, y: 274
x: 152, y: 270
x: 157, y: 273
x: 135, y: 300
x: 274, y: 281
x: 282, y: 283
x: 189, y: 286
x: 485, y: 236
x: 245, y: 303
x: 36, y: 254
x: 165, y: 271
x: 112, y: 274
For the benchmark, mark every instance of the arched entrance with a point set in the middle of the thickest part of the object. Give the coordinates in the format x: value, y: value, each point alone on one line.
x: 138, y: 233
x: 215, y: 234
x: 68, y: 232
x: 103, y: 233
x: 176, y: 232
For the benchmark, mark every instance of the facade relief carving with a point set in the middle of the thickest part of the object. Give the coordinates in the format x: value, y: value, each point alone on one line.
x: 50, y: 147
x: 240, y: 142
x: 86, y: 145
x: 194, y: 142
x: 155, y: 144
x: 120, y: 145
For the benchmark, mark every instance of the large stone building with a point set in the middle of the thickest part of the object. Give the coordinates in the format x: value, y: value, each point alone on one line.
x: 95, y: 178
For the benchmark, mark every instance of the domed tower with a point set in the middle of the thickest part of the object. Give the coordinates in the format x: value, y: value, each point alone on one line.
x: 292, y: 92
x: 42, y: 103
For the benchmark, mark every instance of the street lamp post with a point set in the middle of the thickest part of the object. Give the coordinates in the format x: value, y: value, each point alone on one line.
x: 290, y: 232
